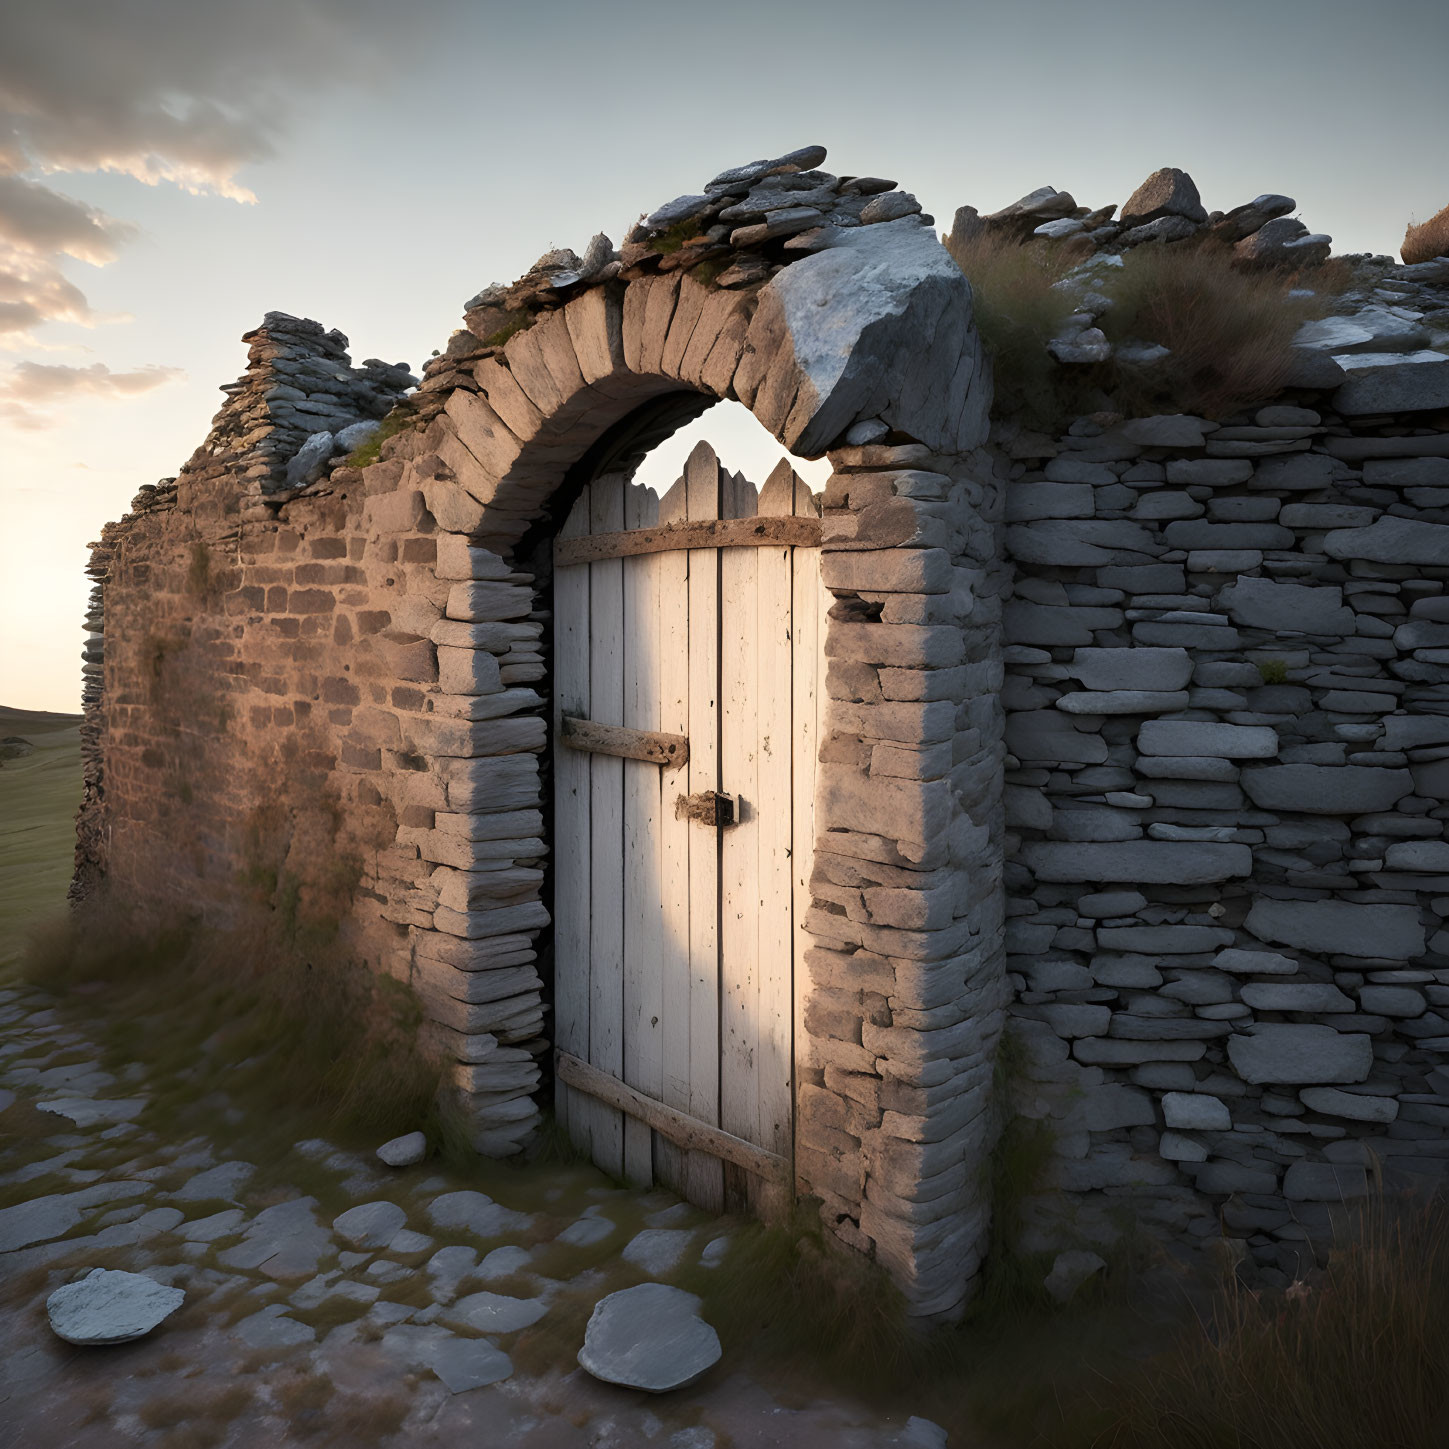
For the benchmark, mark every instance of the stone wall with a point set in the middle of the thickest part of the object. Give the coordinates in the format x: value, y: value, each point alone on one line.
x: 319, y: 683
x: 265, y: 728
x: 1228, y: 786
x: 297, y: 649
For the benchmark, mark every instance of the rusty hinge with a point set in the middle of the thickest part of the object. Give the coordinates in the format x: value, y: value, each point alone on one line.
x: 709, y: 807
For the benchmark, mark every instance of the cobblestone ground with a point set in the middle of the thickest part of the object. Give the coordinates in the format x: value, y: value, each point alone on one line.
x: 451, y: 1318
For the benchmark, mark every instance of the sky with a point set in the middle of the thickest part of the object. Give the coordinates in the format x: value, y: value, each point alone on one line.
x: 172, y: 169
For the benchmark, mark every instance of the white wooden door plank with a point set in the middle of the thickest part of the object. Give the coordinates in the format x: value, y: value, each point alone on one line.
x: 774, y: 771
x: 571, y: 827
x: 740, y: 843
x: 808, y: 687
x: 704, y: 1176
x: 673, y: 841
x: 641, y: 904
x: 606, y: 834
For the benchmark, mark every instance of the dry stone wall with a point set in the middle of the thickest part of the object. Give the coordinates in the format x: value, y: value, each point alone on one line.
x: 373, y: 636
x: 1227, y: 685
x: 264, y: 725
x: 320, y: 683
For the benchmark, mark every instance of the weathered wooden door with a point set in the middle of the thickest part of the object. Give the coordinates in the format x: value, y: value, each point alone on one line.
x: 687, y: 703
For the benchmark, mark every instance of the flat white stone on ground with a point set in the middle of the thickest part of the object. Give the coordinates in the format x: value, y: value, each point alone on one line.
x: 469, y: 1363
x: 649, y: 1337
x: 270, y: 1329
x: 1069, y: 1271
x: 283, y: 1241
x: 503, y: 1261
x: 209, y: 1229
x: 495, y: 1312
x: 586, y: 1232
x: 714, y: 1252
x: 408, y: 1241
x: 140, y: 1230
x: 224, y: 1182
x: 920, y: 1434
x: 55, y: 1214
x: 461, y: 1363
x: 404, y: 1151
x: 370, y: 1224
x: 657, y: 1250
x: 85, y: 1112
x: 447, y: 1268
x: 110, y: 1306
x: 670, y: 1217
x: 384, y: 1270
x: 331, y: 1285
x: 476, y: 1212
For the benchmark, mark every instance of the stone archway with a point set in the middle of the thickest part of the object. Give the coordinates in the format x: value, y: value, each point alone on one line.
x: 858, y: 345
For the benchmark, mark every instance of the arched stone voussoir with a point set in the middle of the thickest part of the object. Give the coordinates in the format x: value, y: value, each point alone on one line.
x: 876, y: 325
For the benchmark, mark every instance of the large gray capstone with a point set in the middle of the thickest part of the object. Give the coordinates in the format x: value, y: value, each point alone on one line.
x: 1326, y: 789
x: 650, y: 1337
x: 110, y: 1306
x: 1298, y: 1055
x: 1340, y: 928
x: 880, y: 325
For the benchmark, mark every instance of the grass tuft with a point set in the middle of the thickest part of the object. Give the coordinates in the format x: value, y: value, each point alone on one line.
x: 519, y: 320
x: 1428, y: 240
x: 295, y: 1035
x: 1018, y: 309
x: 1356, y: 1355
x: 399, y: 420
x: 1229, y: 330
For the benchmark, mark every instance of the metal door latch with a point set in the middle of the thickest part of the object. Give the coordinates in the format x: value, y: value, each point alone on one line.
x: 709, y: 808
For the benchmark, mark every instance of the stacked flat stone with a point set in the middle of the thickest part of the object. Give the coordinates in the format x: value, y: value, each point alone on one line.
x: 1227, y: 686
x: 743, y: 228
x: 1165, y: 208
x: 1386, y: 308
x: 90, y: 849
x: 300, y: 405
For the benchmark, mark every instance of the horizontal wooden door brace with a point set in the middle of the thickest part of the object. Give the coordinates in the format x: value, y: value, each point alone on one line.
x: 683, y: 1131
x: 587, y: 735
x: 787, y: 531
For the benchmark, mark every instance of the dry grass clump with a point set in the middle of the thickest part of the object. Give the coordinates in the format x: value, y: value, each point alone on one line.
x: 251, y: 1014
x: 1229, y: 328
x: 1428, y: 240
x: 1018, y: 309
x: 1358, y: 1355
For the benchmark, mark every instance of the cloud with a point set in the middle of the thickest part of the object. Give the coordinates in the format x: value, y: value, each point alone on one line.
x: 171, y: 91
x: 31, y: 387
x: 34, y: 218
